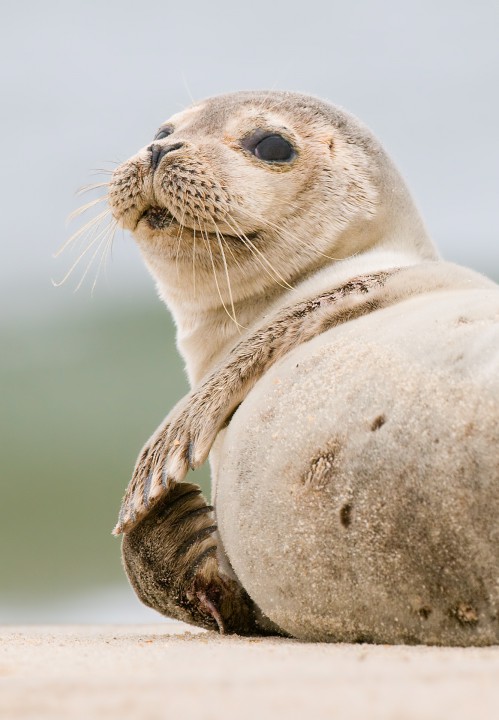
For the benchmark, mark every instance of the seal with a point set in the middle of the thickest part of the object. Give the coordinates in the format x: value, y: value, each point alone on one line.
x: 269, y: 221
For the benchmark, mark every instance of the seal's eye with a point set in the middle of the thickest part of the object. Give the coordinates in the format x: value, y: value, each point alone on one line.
x: 274, y: 148
x: 163, y: 132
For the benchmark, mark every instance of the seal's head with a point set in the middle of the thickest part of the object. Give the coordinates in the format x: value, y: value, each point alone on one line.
x: 243, y: 193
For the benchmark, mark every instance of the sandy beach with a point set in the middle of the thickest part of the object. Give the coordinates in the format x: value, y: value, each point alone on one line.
x: 175, y: 671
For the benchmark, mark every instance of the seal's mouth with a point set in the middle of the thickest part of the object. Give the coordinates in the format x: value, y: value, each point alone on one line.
x: 159, y: 218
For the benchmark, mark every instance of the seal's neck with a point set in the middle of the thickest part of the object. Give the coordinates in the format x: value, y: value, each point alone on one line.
x: 205, y: 336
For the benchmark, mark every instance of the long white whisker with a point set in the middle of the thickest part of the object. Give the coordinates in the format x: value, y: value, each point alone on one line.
x: 104, y: 235
x: 96, y: 220
x: 194, y: 262
x: 80, y: 257
x: 93, y: 186
x: 179, y: 240
x: 257, y: 252
x: 227, y: 245
x: 229, y: 288
x: 87, y: 206
x: 207, y: 243
x: 278, y: 229
x: 108, y: 241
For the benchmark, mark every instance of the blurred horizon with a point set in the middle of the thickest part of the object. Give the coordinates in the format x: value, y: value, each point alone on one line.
x: 86, y: 377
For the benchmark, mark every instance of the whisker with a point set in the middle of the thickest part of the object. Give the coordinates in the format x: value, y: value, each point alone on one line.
x: 179, y: 240
x: 257, y: 252
x: 101, y: 171
x: 109, y: 241
x: 194, y: 262
x: 96, y: 220
x: 278, y: 229
x: 79, y: 258
x: 105, y: 235
x: 83, y: 208
x: 207, y: 244
x: 93, y: 186
x: 227, y: 245
x: 229, y: 288
x: 184, y: 80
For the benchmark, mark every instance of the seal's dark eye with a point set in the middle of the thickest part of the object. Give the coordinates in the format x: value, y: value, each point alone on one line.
x: 274, y: 148
x: 163, y: 132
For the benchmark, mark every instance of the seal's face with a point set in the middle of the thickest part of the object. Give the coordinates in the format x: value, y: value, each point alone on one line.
x: 251, y: 188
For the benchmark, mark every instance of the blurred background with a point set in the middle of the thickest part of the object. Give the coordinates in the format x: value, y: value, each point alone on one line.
x: 87, y: 376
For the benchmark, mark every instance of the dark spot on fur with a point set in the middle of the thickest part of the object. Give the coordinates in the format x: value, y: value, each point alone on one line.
x: 463, y: 320
x: 321, y: 469
x: 424, y: 612
x: 346, y: 515
x: 378, y: 422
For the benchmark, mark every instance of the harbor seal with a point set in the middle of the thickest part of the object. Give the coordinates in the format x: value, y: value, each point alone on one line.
x: 289, y: 251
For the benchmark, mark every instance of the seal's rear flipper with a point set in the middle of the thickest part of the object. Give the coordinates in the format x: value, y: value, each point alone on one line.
x: 170, y: 558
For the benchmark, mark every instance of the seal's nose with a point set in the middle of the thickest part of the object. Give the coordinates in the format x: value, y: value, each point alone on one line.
x: 159, y: 151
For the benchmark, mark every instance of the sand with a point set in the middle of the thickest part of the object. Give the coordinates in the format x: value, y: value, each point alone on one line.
x: 174, y: 671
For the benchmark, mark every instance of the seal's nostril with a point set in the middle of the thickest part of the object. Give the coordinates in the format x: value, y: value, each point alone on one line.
x: 159, y: 151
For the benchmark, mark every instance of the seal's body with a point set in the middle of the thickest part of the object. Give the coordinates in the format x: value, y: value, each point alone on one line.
x: 318, y: 323
x: 358, y: 489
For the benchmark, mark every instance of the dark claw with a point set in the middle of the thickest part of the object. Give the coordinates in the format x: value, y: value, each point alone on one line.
x: 164, y: 478
x: 190, y: 453
x: 147, y: 487
x: 210, y: 607
x: 121, y: 517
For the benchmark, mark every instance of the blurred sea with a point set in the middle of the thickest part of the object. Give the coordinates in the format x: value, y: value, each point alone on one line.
x: 80, y: 395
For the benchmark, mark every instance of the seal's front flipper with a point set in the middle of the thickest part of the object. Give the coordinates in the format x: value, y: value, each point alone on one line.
x: 170, y: 557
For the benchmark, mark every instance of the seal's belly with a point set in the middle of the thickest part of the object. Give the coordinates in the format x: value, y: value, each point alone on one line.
x: 358, y: 487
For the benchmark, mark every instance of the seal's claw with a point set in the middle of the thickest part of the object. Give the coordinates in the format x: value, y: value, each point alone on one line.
x: 190, y: 454
x: 165, y: 480
x: 177, y: 464
x: 147, y: 487
x: 201, y: 449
